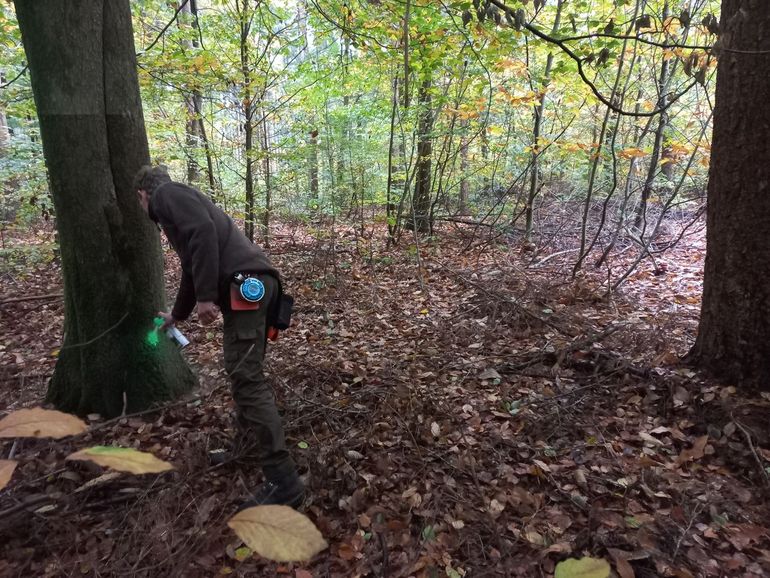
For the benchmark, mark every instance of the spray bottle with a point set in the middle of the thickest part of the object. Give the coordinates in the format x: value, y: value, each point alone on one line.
x: 172, y: 332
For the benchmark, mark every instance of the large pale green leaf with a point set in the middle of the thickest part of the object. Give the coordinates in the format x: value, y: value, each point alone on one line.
x: 583, y: 568
x: 278, y: 533
x: 122, y: 459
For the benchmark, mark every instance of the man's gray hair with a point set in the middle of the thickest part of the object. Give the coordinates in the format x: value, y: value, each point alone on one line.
x: 150, y: 178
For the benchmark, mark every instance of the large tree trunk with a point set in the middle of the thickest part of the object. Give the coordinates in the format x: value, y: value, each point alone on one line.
x: 734, y: 332
x: 83, y: 72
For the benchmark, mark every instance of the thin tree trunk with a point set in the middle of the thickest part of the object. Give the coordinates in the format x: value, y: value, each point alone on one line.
x: 389, y: 203
x: 248, y: 123
x: 268, y: 184
x: 462, y: 205
x: 87, y: 97
x: 641, y: 213
x: 420, y: 218
x: 538, y: 111
x: 313, y: 167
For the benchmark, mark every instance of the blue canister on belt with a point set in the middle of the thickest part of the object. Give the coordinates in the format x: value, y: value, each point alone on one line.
x: 251, y: 289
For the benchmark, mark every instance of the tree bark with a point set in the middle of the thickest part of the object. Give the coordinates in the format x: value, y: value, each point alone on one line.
x: 83, y: 72
x: 734, y: 332
x: 419, y: 220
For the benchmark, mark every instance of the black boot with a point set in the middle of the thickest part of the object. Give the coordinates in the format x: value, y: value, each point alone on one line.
x: 288, y: 491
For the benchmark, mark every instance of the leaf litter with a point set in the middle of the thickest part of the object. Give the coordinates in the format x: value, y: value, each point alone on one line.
x: 474, y: 415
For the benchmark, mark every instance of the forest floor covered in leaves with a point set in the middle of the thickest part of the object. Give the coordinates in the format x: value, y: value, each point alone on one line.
x: 461, y: 407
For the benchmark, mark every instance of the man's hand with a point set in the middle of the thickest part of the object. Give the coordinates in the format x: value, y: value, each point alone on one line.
x: 168, y: 320
x: 207, y: 312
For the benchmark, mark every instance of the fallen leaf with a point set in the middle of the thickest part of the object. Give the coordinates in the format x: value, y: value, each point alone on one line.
x: 489, y: 373
x: 6, y: 471
x: 583, y: 568
x: 40, y: 423
x: 695, y: 452
x: 435, y: 429
x: 496, y: 508
x: 625, y: 570
x: 123, y: 459
x: 278, y: 533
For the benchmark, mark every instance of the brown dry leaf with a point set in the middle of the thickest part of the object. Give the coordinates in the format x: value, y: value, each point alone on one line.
x: 346, y: 552
x: 122, y: 459
x: 743, y: 535
x: 40, y: 423
x: 278, y: 533
x: 625, y: 570
x: 6, y: 471
x: 695, y: 452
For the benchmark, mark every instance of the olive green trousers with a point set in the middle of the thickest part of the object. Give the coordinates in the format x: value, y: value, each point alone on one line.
x: 260, y: 427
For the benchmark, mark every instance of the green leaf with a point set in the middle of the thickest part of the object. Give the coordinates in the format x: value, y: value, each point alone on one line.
x: 429, y: 533
x: 303, y: 445
x: 583, y: 568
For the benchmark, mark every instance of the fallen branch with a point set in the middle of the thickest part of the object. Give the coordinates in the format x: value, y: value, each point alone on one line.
x: 31, y: 298
x: 510, y: 301
x: 104, y: 424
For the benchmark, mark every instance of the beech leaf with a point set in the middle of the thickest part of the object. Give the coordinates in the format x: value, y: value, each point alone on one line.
x: 122, y: 459
x: 583, y: 568
x: 6, y: 471
x: 632, y: 153
x: 278, y: 533
x: 40, y: 423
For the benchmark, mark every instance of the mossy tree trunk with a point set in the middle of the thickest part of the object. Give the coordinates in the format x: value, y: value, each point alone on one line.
x: 83, y: 71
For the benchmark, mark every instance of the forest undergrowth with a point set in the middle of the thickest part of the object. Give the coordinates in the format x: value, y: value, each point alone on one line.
x: 458, y: 406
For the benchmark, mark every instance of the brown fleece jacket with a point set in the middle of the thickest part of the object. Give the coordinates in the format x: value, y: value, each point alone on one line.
x: 210, y: 246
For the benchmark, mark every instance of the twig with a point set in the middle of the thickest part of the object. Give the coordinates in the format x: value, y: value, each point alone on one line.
x: 747, y: 433
x: 31, y: 298
x: 166, y: 27
x: 102, y: 334
x: 384, y: 546
x: 24, y: 505
x: 510, y: 301
x: 15, y: 78
x: 686, y: 530
x: 138, y: 413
